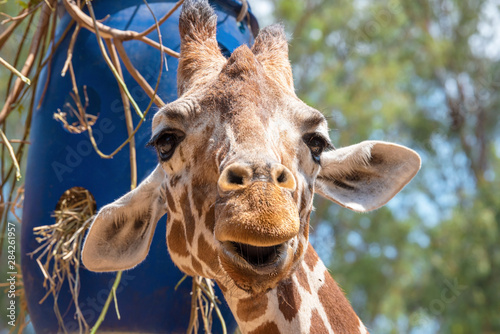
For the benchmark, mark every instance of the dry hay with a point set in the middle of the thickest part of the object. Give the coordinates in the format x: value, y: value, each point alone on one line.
x: 59, y: 254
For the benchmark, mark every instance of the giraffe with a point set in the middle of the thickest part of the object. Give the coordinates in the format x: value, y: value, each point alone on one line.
x: 240, y: 158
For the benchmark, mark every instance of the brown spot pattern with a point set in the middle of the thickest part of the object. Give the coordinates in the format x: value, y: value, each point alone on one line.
x: 288, y: 299
x: 311, y: 258
x: 299, y: 252
x: 302, y: 278
x: 188, y: 217
x: 197, y: 267
x: 176, y: 239
x: 174, y: 180
x: 305, y: 201
x: 251, y: 308
x: 199, y: 198
x: 267, y: 328
x: 338, y: 310
x: 170, y: 202
x: 210, y: 219
x: 317, y: 324
x: 305, y: 232
x: 207, y: 254
x: 181, y: 154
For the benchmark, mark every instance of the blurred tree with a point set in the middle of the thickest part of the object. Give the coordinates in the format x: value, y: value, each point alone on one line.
x: 425, y: 74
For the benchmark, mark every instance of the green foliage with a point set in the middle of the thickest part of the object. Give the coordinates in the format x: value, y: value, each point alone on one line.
x: 28, y: 4
x: 414, y: 72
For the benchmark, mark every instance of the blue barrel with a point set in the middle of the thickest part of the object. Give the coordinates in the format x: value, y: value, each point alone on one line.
x: 59, y: 160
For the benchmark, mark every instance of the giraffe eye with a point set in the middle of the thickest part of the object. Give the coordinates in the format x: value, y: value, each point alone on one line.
x: 166, y: 143
x: 317, y: 144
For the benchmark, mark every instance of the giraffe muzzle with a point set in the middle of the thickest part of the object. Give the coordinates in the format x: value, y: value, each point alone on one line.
x: 257, y: 226
x: 262, y: 215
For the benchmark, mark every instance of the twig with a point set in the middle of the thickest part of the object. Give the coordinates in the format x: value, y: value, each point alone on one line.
x: 205, y: 302
x: 16, y: 141
x: 88, y: 23
x: 107, y: 32
x: 25, y: 12
x: 106, y: 304
x: 76, y: 97
x: 133, y: 163
x: 40, y: 32
x: 162, y: 49
x: 49, y: 66
x: 156, y: 45
x: 6, y: 34
x: 119, y: 148
x: 19, y: 154
x: 84, y: 120
x: 128, y: 117
x: 49, y: 58
x: 12, y: 154
x: 18, y: 54
x: 180, y: 282
x: 17, y: 203
x: 116, y: 303
x: 39, y: 53
x: 193, y: 318
x: 210, y: 294
x: 108, y: 61
x: 71, y: 46
x: 15, y: 71
x: 243, y: 11
x: 162, y: 20
x: 136, y: 75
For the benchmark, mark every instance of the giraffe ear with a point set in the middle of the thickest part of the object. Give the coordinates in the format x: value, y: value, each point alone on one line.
x: 365, y: 176
x: 200, y: 54
x: 271, y: 49
x: 121, y: 233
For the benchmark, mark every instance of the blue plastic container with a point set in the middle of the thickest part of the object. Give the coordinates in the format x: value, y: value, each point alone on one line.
x: 59, y: 160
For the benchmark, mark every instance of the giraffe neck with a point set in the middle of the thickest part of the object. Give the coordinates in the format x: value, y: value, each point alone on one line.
x: 310, y: 301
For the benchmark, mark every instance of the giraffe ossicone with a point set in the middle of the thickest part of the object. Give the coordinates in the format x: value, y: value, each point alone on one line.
x: 240, y: 158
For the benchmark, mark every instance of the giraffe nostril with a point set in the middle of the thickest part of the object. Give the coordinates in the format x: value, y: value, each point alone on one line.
x: 282, y: 177
x: 239, y: 176
x: 234, y: 178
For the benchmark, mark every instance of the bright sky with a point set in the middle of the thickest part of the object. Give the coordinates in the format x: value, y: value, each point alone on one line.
x: 487, y: 43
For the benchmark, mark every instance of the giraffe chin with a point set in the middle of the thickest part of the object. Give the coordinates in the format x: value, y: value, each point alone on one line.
x: 256, y: 269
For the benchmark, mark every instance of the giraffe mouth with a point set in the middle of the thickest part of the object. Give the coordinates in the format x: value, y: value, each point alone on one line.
x: 256, y: 268
x: 256, y: 256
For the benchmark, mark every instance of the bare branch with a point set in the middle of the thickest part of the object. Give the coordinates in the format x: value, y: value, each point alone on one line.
x: 163, y: 19
x: 135, y: 74
x: 107, y: 32
x: 35, y: 44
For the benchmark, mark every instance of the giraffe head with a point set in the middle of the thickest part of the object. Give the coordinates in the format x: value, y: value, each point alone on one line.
x: 240, y: 158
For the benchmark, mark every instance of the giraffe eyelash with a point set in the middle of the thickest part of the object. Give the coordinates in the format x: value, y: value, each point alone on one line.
x: 317, y: 144
x: 153, y: 141
x: 165, y: 143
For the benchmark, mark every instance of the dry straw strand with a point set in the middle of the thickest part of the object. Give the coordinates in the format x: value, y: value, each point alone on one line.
x: 59, y: 254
